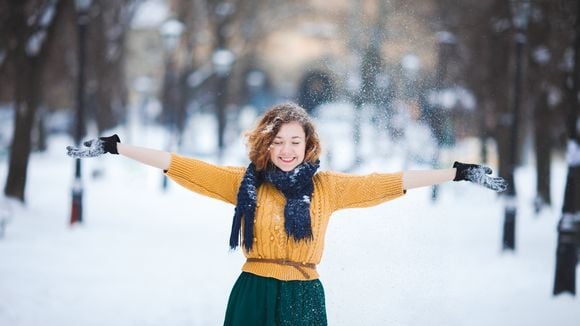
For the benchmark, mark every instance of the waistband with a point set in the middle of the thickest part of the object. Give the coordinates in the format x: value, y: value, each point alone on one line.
x: 299, y: 266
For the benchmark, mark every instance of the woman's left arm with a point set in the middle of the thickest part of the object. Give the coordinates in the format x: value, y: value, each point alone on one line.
x: 416, y: 179
x: 475, y: 173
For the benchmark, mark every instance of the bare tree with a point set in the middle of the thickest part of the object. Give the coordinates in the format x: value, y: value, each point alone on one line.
x: 40, y: 68
x: 549, y: 39
x: 107, y: 91
x: 235, y: 26
x: 569, y: 224
x: 29, y: 28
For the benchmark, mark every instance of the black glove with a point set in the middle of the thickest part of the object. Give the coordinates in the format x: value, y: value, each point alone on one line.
x: 479, y: 174
x: 95, y: 147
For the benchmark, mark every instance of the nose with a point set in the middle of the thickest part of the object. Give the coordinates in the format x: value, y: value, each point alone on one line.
x: 285, y: 148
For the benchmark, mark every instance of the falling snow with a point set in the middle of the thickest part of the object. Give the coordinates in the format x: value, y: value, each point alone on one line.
x: 150, y: 257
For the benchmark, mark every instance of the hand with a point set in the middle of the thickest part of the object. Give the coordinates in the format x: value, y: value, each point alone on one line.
x: 95, y: 147
x: 479, y: 174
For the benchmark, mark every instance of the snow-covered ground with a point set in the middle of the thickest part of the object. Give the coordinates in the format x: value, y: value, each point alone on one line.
x: 148, y: 257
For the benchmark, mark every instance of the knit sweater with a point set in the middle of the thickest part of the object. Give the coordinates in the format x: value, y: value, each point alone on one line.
x: 332, y: 191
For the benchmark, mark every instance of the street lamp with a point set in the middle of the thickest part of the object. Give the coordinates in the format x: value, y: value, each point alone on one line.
x: 82, y: 9
x: 222, y: 61
x: 520, y: 14
x: 170, y: 32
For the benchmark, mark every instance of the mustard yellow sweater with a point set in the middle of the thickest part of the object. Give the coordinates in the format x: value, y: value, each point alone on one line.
x: 332, y: 191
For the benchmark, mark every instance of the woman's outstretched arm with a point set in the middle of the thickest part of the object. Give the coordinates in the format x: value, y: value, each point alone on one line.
x: 204, y: 178
x: 475, y: 173
x: 416, y: 179
x: 151, y: 157
x: 113, y: 145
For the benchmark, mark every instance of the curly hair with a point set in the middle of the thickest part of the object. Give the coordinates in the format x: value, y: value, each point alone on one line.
x: 261, y: 137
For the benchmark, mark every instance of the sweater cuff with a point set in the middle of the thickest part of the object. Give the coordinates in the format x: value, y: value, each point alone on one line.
x: 177, y: 165
x: 393, y: 186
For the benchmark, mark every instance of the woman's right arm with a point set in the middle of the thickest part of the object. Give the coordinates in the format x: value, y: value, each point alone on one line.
x: 204, y: 178
x: 112, y: 145
x: 152, y: 157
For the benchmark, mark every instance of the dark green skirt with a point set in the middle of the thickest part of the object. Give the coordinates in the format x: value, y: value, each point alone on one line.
x: 263, y: 301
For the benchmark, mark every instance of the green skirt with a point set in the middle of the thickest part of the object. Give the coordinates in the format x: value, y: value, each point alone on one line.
x: 263, y: 301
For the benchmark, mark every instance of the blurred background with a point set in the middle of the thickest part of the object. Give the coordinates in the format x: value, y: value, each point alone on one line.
x: 494, y: 82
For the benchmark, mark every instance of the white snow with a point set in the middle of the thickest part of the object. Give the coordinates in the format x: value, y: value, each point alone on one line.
x: 541, y: 55
x: 150, y: 14
x: 411, y: 63
x: 450, y: 97
x: 446, y: 37
x: 148, y: 257
x: 35, y: 43
x: 47, y: 15
x: 573, y: 153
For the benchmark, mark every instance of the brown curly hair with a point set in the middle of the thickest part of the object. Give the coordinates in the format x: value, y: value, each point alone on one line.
x: 261, y: 137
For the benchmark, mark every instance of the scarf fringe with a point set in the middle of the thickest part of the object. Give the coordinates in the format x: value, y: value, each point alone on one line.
x: 236, y: 225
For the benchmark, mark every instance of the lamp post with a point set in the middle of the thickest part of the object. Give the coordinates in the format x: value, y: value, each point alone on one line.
x: 170, y: 32
x: 520, y: 13
x: 82, y: 9
x: 223, y: 61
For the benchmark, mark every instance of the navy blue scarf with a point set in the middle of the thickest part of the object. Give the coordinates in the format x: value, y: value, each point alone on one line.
x: 297, y: 187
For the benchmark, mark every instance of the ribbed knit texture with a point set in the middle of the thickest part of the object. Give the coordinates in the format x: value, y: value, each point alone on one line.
x: 332, y: 191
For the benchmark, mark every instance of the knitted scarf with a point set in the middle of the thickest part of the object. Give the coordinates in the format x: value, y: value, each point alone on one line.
x: 297, y: 187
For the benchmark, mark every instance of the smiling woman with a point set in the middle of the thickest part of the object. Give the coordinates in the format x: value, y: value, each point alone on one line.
x: 288, y: 148
x: 284, y: 137
x: 282, y: 208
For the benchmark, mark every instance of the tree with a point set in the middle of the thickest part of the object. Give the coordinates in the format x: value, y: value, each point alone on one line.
x: 36, y: 68
x: 550, y: 39
x: 29, y: 28
x: 569, y: 224
x: 107, y: 91
x: 235, y: 26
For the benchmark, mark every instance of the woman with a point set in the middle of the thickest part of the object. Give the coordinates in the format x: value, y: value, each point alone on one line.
x: 283, y: 206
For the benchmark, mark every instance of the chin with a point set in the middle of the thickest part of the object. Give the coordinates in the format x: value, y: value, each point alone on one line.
x: 287, y: 168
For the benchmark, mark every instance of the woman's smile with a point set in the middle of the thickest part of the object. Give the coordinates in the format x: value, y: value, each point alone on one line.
x: 289, y: 146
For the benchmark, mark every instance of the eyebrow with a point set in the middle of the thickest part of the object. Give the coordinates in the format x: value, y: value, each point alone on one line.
x: 291, y: 138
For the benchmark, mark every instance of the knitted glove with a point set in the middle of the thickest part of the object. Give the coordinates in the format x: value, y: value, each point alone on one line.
x: 479, y: 174
x: 95, y: 147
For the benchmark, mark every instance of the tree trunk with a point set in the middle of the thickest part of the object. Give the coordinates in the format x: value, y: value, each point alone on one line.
x: 569, y: 224
x: 499, y: 81
x: 27, y: 71
x: 543, y: 145
x: 39, y: 141
x: 26, y: 101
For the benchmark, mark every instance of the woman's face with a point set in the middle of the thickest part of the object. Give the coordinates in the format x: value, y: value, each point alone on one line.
x: 288, y: 148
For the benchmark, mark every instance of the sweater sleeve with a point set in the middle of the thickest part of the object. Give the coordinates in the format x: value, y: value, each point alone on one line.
x: 352, y: 191
x: 207, y: 179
